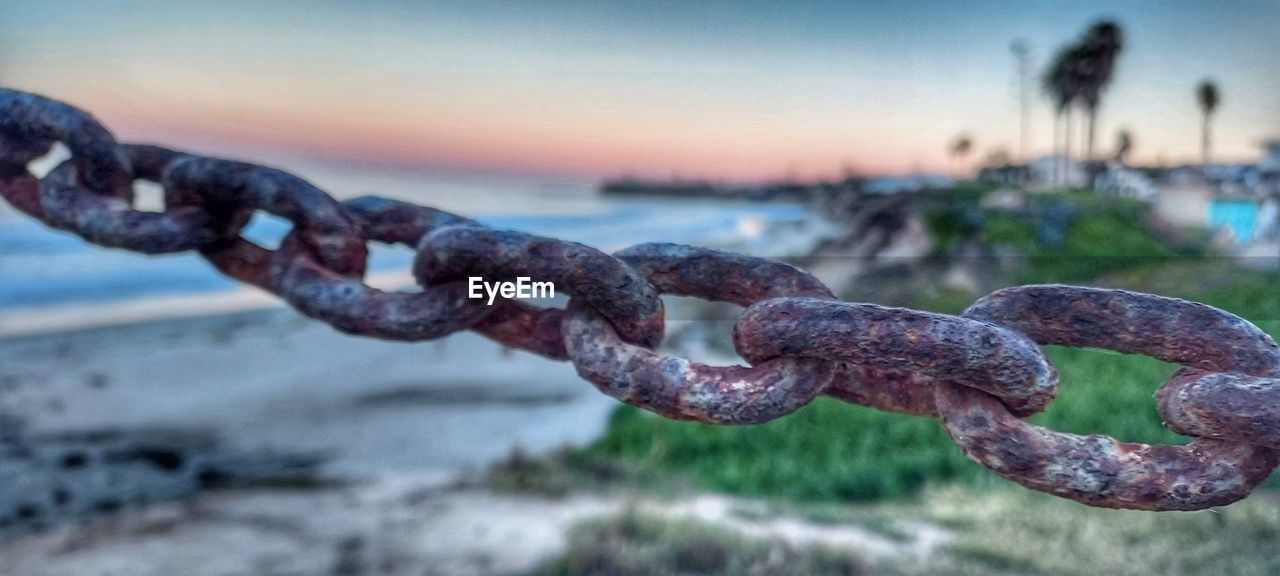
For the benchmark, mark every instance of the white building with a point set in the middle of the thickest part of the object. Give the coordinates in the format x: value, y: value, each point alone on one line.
x: 1120, y: 180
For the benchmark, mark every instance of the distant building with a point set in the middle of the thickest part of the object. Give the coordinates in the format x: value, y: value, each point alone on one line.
x: 1241, y: 199
x: 1254, y: 180
x: 1269, y: 167
x: 1237, y: 215
x: 1184, y: 203
x: 1056, y: 171
x: 1116, y: 179
x: 1202, y: 205
x: 1009, y: 175
x: 1270, y: 163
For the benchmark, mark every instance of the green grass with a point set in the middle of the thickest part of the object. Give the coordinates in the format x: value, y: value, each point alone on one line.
x: 1069, y: 237
x: 991, y: 532
x: 831, y: 451
x: 1036, y: 533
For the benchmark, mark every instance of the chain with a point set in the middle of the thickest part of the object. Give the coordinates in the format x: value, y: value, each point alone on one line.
x: 981, y: 373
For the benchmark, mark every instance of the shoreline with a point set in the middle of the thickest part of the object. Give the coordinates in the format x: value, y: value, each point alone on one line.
x: 23, y: 322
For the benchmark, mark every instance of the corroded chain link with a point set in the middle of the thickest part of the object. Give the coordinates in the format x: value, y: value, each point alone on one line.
x: 981, y: 372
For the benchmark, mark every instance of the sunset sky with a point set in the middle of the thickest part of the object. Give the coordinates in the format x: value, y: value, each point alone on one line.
x: 724, y: 90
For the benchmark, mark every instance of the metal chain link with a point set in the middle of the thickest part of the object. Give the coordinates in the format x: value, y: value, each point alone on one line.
x: 980, y: 373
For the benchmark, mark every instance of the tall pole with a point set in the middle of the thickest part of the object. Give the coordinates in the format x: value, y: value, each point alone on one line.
x: 1204, y: 141
x: 1022, y: 56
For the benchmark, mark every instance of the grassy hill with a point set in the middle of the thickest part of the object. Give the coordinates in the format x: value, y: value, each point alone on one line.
x: 834, y: 451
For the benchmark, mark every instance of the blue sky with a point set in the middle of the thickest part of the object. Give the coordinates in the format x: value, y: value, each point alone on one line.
x: 738, y: 90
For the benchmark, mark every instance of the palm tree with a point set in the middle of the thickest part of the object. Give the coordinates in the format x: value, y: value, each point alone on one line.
x: 1099, y: 49
x: 1124, y: 145
x: 1063, y: 82
x: 960, y: 148
x: 1054, y: 85
x: 1208, y: 97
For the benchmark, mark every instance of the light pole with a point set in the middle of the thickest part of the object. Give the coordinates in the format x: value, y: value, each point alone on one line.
x: 1022, y: 56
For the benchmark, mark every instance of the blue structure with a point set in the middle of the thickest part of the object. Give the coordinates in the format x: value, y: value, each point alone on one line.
x: 1241, y: 216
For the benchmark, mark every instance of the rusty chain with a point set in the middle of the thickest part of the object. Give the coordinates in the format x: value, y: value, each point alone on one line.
x: 980, y: 373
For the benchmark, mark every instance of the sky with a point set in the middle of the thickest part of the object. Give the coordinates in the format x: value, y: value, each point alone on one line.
x: 721, y: 90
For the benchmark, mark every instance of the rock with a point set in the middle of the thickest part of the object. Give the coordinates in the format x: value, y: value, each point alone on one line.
x: 49, y: 479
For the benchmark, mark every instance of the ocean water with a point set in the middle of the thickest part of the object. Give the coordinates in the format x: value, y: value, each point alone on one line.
x: 42, y: 268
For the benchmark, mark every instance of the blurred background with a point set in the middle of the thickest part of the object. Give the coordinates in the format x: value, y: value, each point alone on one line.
x: 157, y: 418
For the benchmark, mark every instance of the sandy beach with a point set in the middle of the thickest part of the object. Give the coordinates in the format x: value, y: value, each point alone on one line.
x: 382, y: 415
x: 405, y: 433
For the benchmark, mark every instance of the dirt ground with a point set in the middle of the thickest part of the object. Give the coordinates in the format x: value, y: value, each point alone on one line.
x: 411, y: 526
